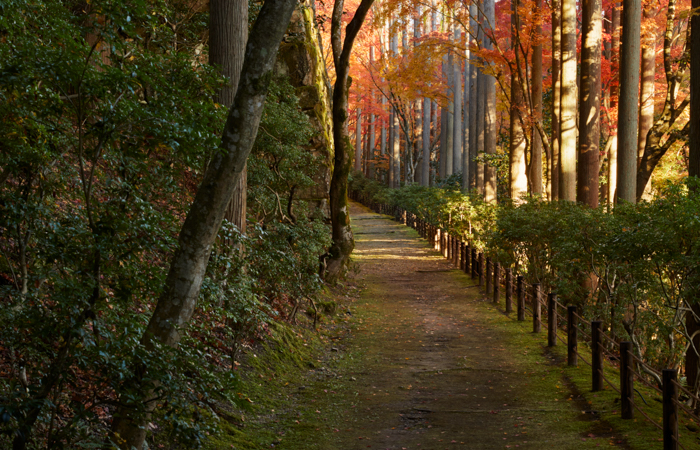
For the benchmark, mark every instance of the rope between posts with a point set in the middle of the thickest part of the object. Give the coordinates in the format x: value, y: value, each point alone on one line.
x: 686, y: 391
x: 608, y: 338
x: 649, y: 368
x: 582, y: 319
x: 560, y: 305
x: 607, y: 352
x: 687, y: 411
x: 583, y: 332
x: 652, y: 421
x: 562, y: 340
x: 602, y: 375
x: 640, y: 377
x: 679, y: 443
x: 583, y: 359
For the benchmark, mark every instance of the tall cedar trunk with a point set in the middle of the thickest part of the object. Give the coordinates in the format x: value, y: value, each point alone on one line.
x: 556, y: 101
x: 457, y: 116
x: 343, y: 241
x: 567, y: 150
x: 473, y: 101
x: 425, y: 163
x: 536, y: 161
x: 614, y: 97
x: 396, y: 151
x: 490, y: 125
x: 228, y: 33
x: 443, y: 143
x: 646, y: 104
x: 383, y: 137
x: 692, y: 361
x: 466, y: 163
x: 449, y: 132
x: 629, y: 100
x: 517, y: 164
x: 418, y: 111
x: 188, y: 265
x: 358, y: 140
x: 480, y: 107
x: 589, y: 111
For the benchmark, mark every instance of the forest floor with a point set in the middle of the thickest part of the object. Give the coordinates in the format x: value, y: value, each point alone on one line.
x: 419, y: 358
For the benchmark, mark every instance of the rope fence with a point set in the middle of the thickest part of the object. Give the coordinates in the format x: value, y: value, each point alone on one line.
x: 520, y: 294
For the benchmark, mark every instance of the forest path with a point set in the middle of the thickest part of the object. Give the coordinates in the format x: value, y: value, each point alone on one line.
x: 441, y: 367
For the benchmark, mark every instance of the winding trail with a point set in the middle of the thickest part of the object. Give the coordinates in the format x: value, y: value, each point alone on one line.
x: 439, y: 370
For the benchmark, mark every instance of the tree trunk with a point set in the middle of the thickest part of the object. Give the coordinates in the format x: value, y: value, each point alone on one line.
x: 567, y: 151
x: 614, y: 97
x: 343, y: 241
x: 536, y: 161
x: 449, y: 131
x: 473, y: 102
x: 646, y: 106
x: 466, y: 162
x: 457, y: 116
x: 358, y: 140
x: 181, y: 289
x: 425, y: 163
x: 517, y: 164
x: 629, y: 100
x: 589, y: 112
x: 556, y: 101
x: 490, y: 118
x: 228, y: 34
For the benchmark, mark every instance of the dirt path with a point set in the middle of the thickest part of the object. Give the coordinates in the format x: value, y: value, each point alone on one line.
x: 435, y: 373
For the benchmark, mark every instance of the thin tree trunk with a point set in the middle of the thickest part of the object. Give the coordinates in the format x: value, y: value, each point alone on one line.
x: 567, y: 151
x: 188, y: 265
x: 629, y: 100
x: 556, y: 101
x: 343, y: 240
x: 425, y: 163
x: 589, y: 112
x: 537, y: 79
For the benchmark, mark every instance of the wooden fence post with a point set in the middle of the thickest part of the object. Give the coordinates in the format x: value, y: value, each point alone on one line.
x: 536, y: 309
x: 467, y: 258
x: 509, y: 291
x: 552, y: 319
x: 496, y: 282
x: 596, y: 355
x: 670, y: 409
x: 488, y: 275
x: 572, y: 336
x: 521, y: 298
x: 481, y: 268
x: 626, y: 380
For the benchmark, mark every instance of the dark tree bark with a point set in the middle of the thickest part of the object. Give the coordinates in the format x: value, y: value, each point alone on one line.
x: 343, y: 241
x: 589, y: 100
x: 187, y: 268
x: 228, y: 34
x: 692, y: 362
x: 614, y: 97
x: 629, y: 99
x: 473, y: 101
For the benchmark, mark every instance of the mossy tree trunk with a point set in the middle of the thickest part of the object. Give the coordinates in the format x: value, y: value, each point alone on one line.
x: 343, y: 241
